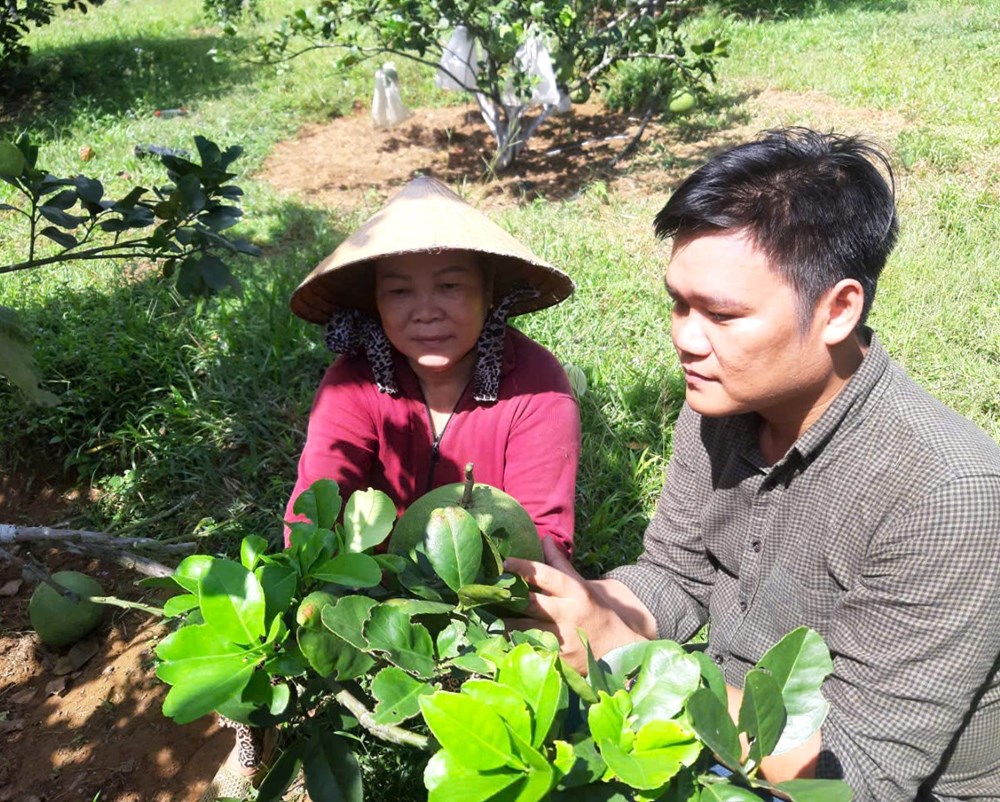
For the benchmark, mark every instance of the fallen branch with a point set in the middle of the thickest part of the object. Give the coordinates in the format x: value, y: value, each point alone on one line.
x: 96, y: 544
x: 11, y: 533
x: 134, y: 562
x: 40, y: 573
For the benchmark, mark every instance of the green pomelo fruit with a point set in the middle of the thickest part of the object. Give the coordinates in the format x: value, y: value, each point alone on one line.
x: 496, y: 513
x: 310, y: 612
x: 580, y: 94
x: 59, y: 621
x: 12, y: 161
x: 682, y: 102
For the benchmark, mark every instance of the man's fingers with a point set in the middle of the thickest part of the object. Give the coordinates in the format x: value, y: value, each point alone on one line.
x: 537, y: 575
x: 556, y: 557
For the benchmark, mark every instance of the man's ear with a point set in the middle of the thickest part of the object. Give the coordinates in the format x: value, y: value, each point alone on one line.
x: 840, y: 310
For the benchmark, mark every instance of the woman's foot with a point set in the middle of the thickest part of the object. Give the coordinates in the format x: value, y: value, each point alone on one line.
x: 244, y: 767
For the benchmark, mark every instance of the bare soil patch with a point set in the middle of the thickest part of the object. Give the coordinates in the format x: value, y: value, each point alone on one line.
x: 99, y: 727
x: 346, y: 164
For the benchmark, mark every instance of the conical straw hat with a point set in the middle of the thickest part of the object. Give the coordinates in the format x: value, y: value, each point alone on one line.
x: 424, y: 216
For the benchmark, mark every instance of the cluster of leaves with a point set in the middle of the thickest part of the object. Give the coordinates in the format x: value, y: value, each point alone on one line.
x: 16, y: 19
x: 585, y: 40
x: 229, y: 11
x: 180, y: 225
x: 649, y: 722
x: 329, y: 634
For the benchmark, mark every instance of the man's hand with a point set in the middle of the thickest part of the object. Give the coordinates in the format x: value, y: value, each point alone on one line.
x: 562, y: 601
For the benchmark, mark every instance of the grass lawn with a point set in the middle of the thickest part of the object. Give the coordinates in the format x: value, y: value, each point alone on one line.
x: 199, y: 407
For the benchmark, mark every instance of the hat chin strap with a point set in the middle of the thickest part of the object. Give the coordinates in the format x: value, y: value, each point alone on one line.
x: 350, y: 331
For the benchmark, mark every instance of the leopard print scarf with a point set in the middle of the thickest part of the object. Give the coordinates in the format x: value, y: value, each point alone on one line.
x: 351, y: 331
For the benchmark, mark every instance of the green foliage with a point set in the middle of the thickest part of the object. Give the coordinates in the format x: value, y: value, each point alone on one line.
x: 230, y: 11
x: 585, y: 40
x: 273, y: 638
x: 180, y: 224
x: 17, y: 17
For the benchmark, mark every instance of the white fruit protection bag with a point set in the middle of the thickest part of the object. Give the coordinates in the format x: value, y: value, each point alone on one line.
x: 459, y: 63
x: 388, y: 108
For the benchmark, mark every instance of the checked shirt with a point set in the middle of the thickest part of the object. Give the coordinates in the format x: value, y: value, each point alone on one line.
x: 880, y: 529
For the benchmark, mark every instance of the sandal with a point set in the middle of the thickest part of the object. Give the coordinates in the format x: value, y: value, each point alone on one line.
x: 227, y: 784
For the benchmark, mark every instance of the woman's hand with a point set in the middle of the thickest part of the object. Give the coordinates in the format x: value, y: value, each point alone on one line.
x: 562, y: 601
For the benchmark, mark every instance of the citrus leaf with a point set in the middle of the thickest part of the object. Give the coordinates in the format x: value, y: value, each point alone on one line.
x: 368, y: 519
x: 282, y: 774
x: 710, y: 719
x: 398, y: 695
x: 332, y: 656
x: 177, y: 605
x: 191, y: 570
x: 347, y: 619
x: 505, y: 702
x: 815, y: 790
x: 204, y: 670
x: 712, y: 675
x: 469, y: 730
x: 799, y: 663
x: 232, y: 601
x: 349, y: 570
x: 762, y: 713
x: 668, y: 677
x: 448, y: 779
x: 406, y: 645
x: 331, y: 770
x: 532, y: 676
x: 608, y: 720
x: 280, y: 584
x: 643, y: 770
x: 320, y: 503
x: 726, y: 792
x: 454, y: 546
x: 252, y: 548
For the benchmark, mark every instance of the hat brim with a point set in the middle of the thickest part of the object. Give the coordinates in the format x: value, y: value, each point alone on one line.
x: 424, y: 217
x: 352, y: 286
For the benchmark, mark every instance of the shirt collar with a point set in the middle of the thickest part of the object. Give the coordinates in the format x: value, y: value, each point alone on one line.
x: 852, y: 397
x: 744, y: 429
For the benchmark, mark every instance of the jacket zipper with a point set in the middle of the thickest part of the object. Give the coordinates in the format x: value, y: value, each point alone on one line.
x: 436, y: 441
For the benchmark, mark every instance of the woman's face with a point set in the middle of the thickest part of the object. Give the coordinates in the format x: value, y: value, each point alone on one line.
x: 432, y: 306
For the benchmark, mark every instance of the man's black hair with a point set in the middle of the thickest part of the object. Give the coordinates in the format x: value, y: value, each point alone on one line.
x: 817, y: 206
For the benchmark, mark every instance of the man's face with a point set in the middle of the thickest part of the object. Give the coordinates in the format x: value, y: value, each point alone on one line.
x: 737, y: 330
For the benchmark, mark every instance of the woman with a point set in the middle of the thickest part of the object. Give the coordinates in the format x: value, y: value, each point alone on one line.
x: 429, y: 377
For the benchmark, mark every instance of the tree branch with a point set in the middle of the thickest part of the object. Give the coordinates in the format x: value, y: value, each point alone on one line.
x: 10, y: 533
x: 387, y: 732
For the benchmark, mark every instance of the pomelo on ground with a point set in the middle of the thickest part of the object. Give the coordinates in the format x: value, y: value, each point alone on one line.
x: 59, y: 621
x: 498, y: 514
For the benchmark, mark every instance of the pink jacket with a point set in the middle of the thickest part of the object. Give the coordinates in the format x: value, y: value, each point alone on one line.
x: 527, y: 442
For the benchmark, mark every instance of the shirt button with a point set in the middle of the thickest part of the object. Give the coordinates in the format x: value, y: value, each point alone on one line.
x: 756, y: 545
x: 717, y: 658
x: 744, y: 606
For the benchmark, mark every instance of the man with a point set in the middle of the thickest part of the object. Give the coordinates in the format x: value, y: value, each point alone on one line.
x: 812, y: 483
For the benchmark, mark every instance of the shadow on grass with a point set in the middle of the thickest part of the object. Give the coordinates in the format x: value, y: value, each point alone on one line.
x: 780, y: 9
x: 114, y: 77
x: 191, y: 406
x: 626, y: 437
